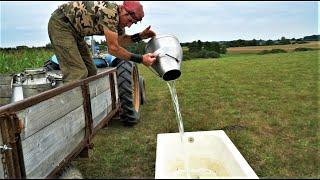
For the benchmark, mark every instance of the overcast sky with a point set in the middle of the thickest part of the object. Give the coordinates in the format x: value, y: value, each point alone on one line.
x: 25, y: 23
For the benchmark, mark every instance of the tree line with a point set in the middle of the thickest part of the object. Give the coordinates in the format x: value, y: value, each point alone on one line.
x: 199, y: 49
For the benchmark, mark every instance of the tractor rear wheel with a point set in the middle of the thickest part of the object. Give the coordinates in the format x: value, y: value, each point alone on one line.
x: 129, y: 92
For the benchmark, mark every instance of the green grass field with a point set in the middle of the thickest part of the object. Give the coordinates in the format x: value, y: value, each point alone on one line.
x: 17, y: 61
x: 268, y: 105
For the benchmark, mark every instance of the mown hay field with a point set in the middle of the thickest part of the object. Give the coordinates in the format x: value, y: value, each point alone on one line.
x: 257, y: 49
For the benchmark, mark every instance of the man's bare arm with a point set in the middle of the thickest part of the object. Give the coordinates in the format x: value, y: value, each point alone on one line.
x: 114, y: 46
x: 124, y: 40
x: 116, y: 50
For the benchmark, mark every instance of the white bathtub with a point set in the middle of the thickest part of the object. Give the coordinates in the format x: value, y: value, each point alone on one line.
x: 211, y: 154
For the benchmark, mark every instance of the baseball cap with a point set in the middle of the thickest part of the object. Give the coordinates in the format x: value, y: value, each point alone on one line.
x: 135, y: 9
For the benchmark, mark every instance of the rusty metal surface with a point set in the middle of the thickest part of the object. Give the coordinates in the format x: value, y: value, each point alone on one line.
x: 10, y: 131
x: 88, y: 116
x: 11, y: 128
x: 113, y: 90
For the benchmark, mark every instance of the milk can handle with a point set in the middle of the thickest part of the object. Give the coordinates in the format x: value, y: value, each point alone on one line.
x: 166, y: 54
x: 172, y: 57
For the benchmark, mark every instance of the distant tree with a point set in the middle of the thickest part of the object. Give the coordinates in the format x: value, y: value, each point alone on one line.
x: 22, y: 47
x: 239, y: 43
x: 199, y: 45
x: 269, y: 42
x: 223, y: 49
x: 254, y: 42
x: 102, y: 47
x: 261, y: 42
x: 312, y: 38
x: 103, y: 42
x: 194, y: 46
x: 228, y: 44
x: 207, y: 45
x: 300, y: 41
x: 185, y: 44
x: 215, y: 46
x: 283, y: 41
x: 138, y: 48
x: 48, y: 46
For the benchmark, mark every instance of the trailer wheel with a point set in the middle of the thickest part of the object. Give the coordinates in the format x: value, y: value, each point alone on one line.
x: 129, y: 92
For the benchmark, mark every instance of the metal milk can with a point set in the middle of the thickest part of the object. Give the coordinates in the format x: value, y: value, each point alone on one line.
x: 169, y: 58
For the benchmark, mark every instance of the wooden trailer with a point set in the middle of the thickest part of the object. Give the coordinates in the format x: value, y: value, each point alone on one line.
x: 41, y: 134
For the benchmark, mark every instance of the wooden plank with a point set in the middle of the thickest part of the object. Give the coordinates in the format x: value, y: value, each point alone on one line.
x: 98, y: 86
x: 44, y: 113
x: 57, y: 156
x: 5, y: 91
x: 109, y: 97
x: 116, y: 87
x: 100, y: 106
x: 6, y: 79
x: 99, y: 103
x: 1, y: 155
x: 72, y: 121
x: 44, y: 150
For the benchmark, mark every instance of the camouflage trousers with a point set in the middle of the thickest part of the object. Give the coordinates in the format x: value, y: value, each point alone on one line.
x: 75, y: 59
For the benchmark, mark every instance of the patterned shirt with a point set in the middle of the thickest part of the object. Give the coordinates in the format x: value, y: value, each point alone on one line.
x: 91, y: 17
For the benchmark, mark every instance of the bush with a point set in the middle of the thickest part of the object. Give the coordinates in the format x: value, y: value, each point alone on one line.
x: 272, y: 51
x: 277, y: 51
x: 264, y: 52
x: 186, y: 56
x: 212, y: 54
x: 303, y: 49
x: 200, y: 54
x: 223, y: 49
x: 301, y: 42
